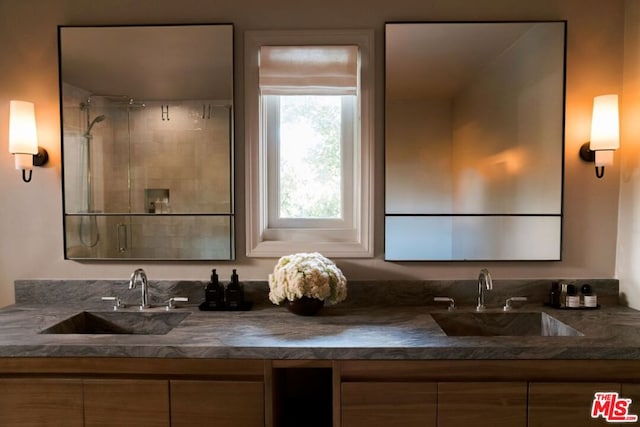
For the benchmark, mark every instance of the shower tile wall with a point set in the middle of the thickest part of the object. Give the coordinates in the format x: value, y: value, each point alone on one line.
x: 134, y: 149
x: 188, y: 155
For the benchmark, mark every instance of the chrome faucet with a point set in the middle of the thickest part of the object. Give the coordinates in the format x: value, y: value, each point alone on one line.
x: 484, y: 282
x: 140, y: 276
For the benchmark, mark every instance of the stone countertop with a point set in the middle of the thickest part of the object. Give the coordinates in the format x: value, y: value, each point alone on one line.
x: 338, y: 332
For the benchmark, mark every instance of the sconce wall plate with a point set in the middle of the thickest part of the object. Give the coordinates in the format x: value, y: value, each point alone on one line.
x: 586, y: 154
x: 41, y: 158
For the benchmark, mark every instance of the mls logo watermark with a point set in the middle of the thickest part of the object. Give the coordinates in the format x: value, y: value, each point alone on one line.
x: 611, y: 407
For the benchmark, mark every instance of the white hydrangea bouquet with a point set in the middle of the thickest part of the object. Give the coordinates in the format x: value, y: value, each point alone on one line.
x: 308, y: 275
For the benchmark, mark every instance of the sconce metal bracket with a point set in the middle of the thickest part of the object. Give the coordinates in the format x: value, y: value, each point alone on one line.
x: 41, y: 158
x: 586, y: 153
x: 38, y: 160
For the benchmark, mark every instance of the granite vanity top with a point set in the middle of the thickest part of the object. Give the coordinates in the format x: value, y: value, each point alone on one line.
x: 376, y: 330
x: 336, y: 333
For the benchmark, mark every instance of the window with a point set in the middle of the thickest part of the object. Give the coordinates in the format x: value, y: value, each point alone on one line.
x: 309, y: 158
x: 308, y: 151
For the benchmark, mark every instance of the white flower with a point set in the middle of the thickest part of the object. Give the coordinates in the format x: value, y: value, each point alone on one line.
x: 309, y: 275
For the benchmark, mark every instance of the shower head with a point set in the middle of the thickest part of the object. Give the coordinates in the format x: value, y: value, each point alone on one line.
x: 97, y: 119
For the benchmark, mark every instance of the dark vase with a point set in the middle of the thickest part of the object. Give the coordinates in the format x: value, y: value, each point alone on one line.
x: 305, y: 306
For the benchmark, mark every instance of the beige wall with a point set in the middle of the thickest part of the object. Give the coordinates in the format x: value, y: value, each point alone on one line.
x: 31, y: 214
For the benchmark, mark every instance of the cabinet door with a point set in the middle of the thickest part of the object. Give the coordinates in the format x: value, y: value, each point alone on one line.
x: 389, y: 404
x: 40, y: 402
x: 631, y: 391
x: 217, y: 403
x: 126, y: 403
x: 498, y: 404
x: 565, y: 404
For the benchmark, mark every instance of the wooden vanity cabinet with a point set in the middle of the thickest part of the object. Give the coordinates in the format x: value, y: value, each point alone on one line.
x: 424, y: 404
x: 197, y: 403
x: 126, y: 402
x: 401, y: 404
x: 54, y: 392
x: 496, y: 404
x: 42, y: 402
x: 492, y: 393
x: 565, y: 404
x: 427, y: 393
x: 70, y: 392
x: 632, y: 391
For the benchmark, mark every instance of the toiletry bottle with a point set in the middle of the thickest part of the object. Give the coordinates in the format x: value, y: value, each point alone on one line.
x: 573, y: 299
x: 563, y: 295
x: 589, y: 298
x: 214, y: 292
x: 554, y: 295
x: 234, y: 294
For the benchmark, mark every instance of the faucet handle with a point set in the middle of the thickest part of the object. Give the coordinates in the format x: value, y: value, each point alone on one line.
x: 507, y: 303
x: 451, y: 301
x: 117, y: 303
x: 171, y: 304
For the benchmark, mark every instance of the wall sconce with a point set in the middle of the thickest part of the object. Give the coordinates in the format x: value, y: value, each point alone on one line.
x: 23, y: 138
x: 605, y: 133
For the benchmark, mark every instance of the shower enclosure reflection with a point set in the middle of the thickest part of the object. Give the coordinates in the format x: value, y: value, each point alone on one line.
x: 88, y: 232
x: 147, y: 166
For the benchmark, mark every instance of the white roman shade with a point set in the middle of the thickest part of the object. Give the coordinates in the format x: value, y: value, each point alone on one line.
x: 309, y: 70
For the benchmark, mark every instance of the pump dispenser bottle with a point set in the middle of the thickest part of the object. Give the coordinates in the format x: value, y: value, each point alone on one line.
x: 214, y: 292
x: 234, y: 294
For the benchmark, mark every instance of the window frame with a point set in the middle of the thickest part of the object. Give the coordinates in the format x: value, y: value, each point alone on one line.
x: 350, y: 238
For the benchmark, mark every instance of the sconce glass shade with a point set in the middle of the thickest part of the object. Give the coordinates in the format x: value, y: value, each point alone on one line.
x: 605, y: 129
x: 23, y: 139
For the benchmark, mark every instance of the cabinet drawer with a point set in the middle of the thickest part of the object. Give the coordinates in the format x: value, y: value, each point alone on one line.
x: 387, y: 404
x: 220, y: 403
x: 41, y: 402
x: 565, y: 404
x: 125, y: 402
x: 499, y: 404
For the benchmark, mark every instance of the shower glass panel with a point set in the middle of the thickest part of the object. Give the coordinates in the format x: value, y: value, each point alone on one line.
x: 135, y: 157
x: 146, y: 177
x: 152, y: 237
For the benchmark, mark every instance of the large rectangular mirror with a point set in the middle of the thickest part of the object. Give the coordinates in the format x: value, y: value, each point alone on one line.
x: 474, y: 137
x: 147, y: 131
